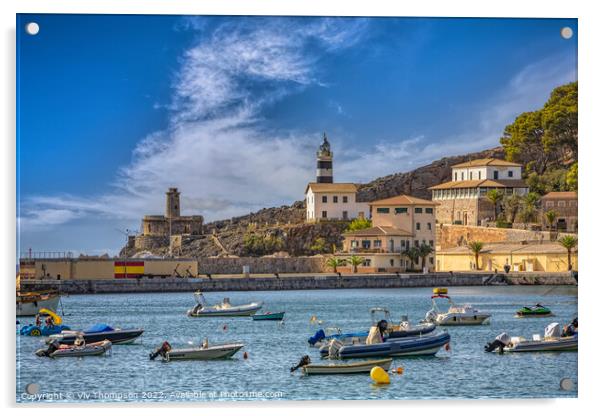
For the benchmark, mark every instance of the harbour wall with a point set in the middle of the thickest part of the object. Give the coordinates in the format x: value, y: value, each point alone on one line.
x: 297, y: 282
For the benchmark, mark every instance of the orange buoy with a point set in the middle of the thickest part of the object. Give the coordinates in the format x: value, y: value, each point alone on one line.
x: 447, y: 347
x: 245, y: 355
x: 399, y: 370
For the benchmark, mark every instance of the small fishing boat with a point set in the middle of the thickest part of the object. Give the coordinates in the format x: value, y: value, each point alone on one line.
x: 537, y: 311
x: 99, y: 332
x: 222, y: 309
x: 56, y: 350
x: 352, y: 368
x: 409, y: 346
x: 554, y: 340
x: 203, y: 352
x: 269, y: 316
x: 30, y: 303
x: 456, y: 315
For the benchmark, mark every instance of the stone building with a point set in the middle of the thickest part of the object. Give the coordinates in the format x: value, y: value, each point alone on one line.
x: 463, y: 200
x: 398, y: 223
x: 326, y: 200
x: 156, y: 230
x: 566, y: 207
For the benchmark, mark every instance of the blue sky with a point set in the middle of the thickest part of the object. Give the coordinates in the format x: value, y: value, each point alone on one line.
x: 112, y: 110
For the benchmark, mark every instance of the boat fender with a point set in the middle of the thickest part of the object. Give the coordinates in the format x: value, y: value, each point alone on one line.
x: 305, y: 360
x: 245, y: 355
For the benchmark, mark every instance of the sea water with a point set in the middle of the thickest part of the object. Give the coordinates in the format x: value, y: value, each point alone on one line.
x: 465, y: 371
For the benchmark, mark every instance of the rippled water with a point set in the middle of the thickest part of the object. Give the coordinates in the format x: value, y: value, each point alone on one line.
x: 464, y: 372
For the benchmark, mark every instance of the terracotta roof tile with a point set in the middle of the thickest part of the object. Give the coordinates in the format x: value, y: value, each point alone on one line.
x: 331, y: 187
x: 403, y: 200
x: 484, y: 183
x: 485, y: 162
x: 560, y: 195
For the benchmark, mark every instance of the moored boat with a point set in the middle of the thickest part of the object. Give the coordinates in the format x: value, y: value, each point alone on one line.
x: 203, y: 352
x: 537, y: 311
x: 222, y: 309
x: 554, y: 340
x: 351, y: 368
x: 456, y: 315
x: 99, y: 332
x: 269, y: 316
x: 410, y: 346
x: 30, y: 303
x: 56, y: 350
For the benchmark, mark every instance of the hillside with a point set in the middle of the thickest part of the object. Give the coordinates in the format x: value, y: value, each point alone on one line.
x: 283, y: 229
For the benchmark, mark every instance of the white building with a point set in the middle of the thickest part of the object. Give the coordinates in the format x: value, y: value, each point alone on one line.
x: 333, y: 201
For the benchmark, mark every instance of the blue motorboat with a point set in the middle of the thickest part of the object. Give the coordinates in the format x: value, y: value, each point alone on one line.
x: 420, y: 345
x: 99, y: 332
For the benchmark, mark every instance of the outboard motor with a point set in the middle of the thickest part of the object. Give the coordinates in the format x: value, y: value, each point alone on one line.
x: 334, y: 347
x: 499, y: 343
x: 431, y: 316
x: 162, y: 351
x: 318, y: 336
x: 52, y: 347
x: 304, y: 361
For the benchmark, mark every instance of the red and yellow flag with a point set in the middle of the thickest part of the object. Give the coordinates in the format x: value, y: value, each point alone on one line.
x: 128, y: 269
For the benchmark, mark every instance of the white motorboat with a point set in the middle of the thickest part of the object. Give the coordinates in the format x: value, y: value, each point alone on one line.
x: 456, y: 314
x: 203, y: 352
x: 30, y: 303
x: 225, y: 308
x: 554, y: 340
x: 353, y: 368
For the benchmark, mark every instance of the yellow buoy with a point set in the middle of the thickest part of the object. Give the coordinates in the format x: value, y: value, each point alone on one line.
x: 379, y: 376
x: 440, y: 291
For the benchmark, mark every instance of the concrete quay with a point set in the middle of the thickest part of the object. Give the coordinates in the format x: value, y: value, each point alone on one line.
x: 298, y: 281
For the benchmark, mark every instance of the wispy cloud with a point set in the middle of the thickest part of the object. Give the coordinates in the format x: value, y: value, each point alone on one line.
x: 214, y: 148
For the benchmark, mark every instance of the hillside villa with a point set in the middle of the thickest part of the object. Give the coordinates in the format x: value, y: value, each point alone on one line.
x: 463, y: 199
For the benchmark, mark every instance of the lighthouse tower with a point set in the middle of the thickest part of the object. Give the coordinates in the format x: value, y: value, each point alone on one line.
x: 324, y: 165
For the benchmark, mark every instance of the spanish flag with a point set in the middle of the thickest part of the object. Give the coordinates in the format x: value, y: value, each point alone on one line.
x: 128, y: 269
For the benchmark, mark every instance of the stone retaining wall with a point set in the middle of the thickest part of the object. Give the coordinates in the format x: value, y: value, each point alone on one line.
x: 261, y: 265
x: 299, y: 282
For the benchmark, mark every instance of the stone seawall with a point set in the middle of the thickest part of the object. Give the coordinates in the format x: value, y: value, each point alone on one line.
x: 298, y: 282
x: 259, y: 265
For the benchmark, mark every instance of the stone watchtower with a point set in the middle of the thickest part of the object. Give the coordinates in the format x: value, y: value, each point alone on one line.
x: 172, y: 200
x: 324, y: 163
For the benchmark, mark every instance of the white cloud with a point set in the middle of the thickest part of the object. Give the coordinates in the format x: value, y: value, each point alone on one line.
x: 214, y: 149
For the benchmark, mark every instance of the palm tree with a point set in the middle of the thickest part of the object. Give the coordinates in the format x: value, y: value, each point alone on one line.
x: 551, y: 216
x: 476, y: 247
x: 424, y: 251
x: 512, y: 205
x: 412, y: 254
x: 569, y: 242
x: 495, y: 196
x: 356, y: 261
x: 335, y: 262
